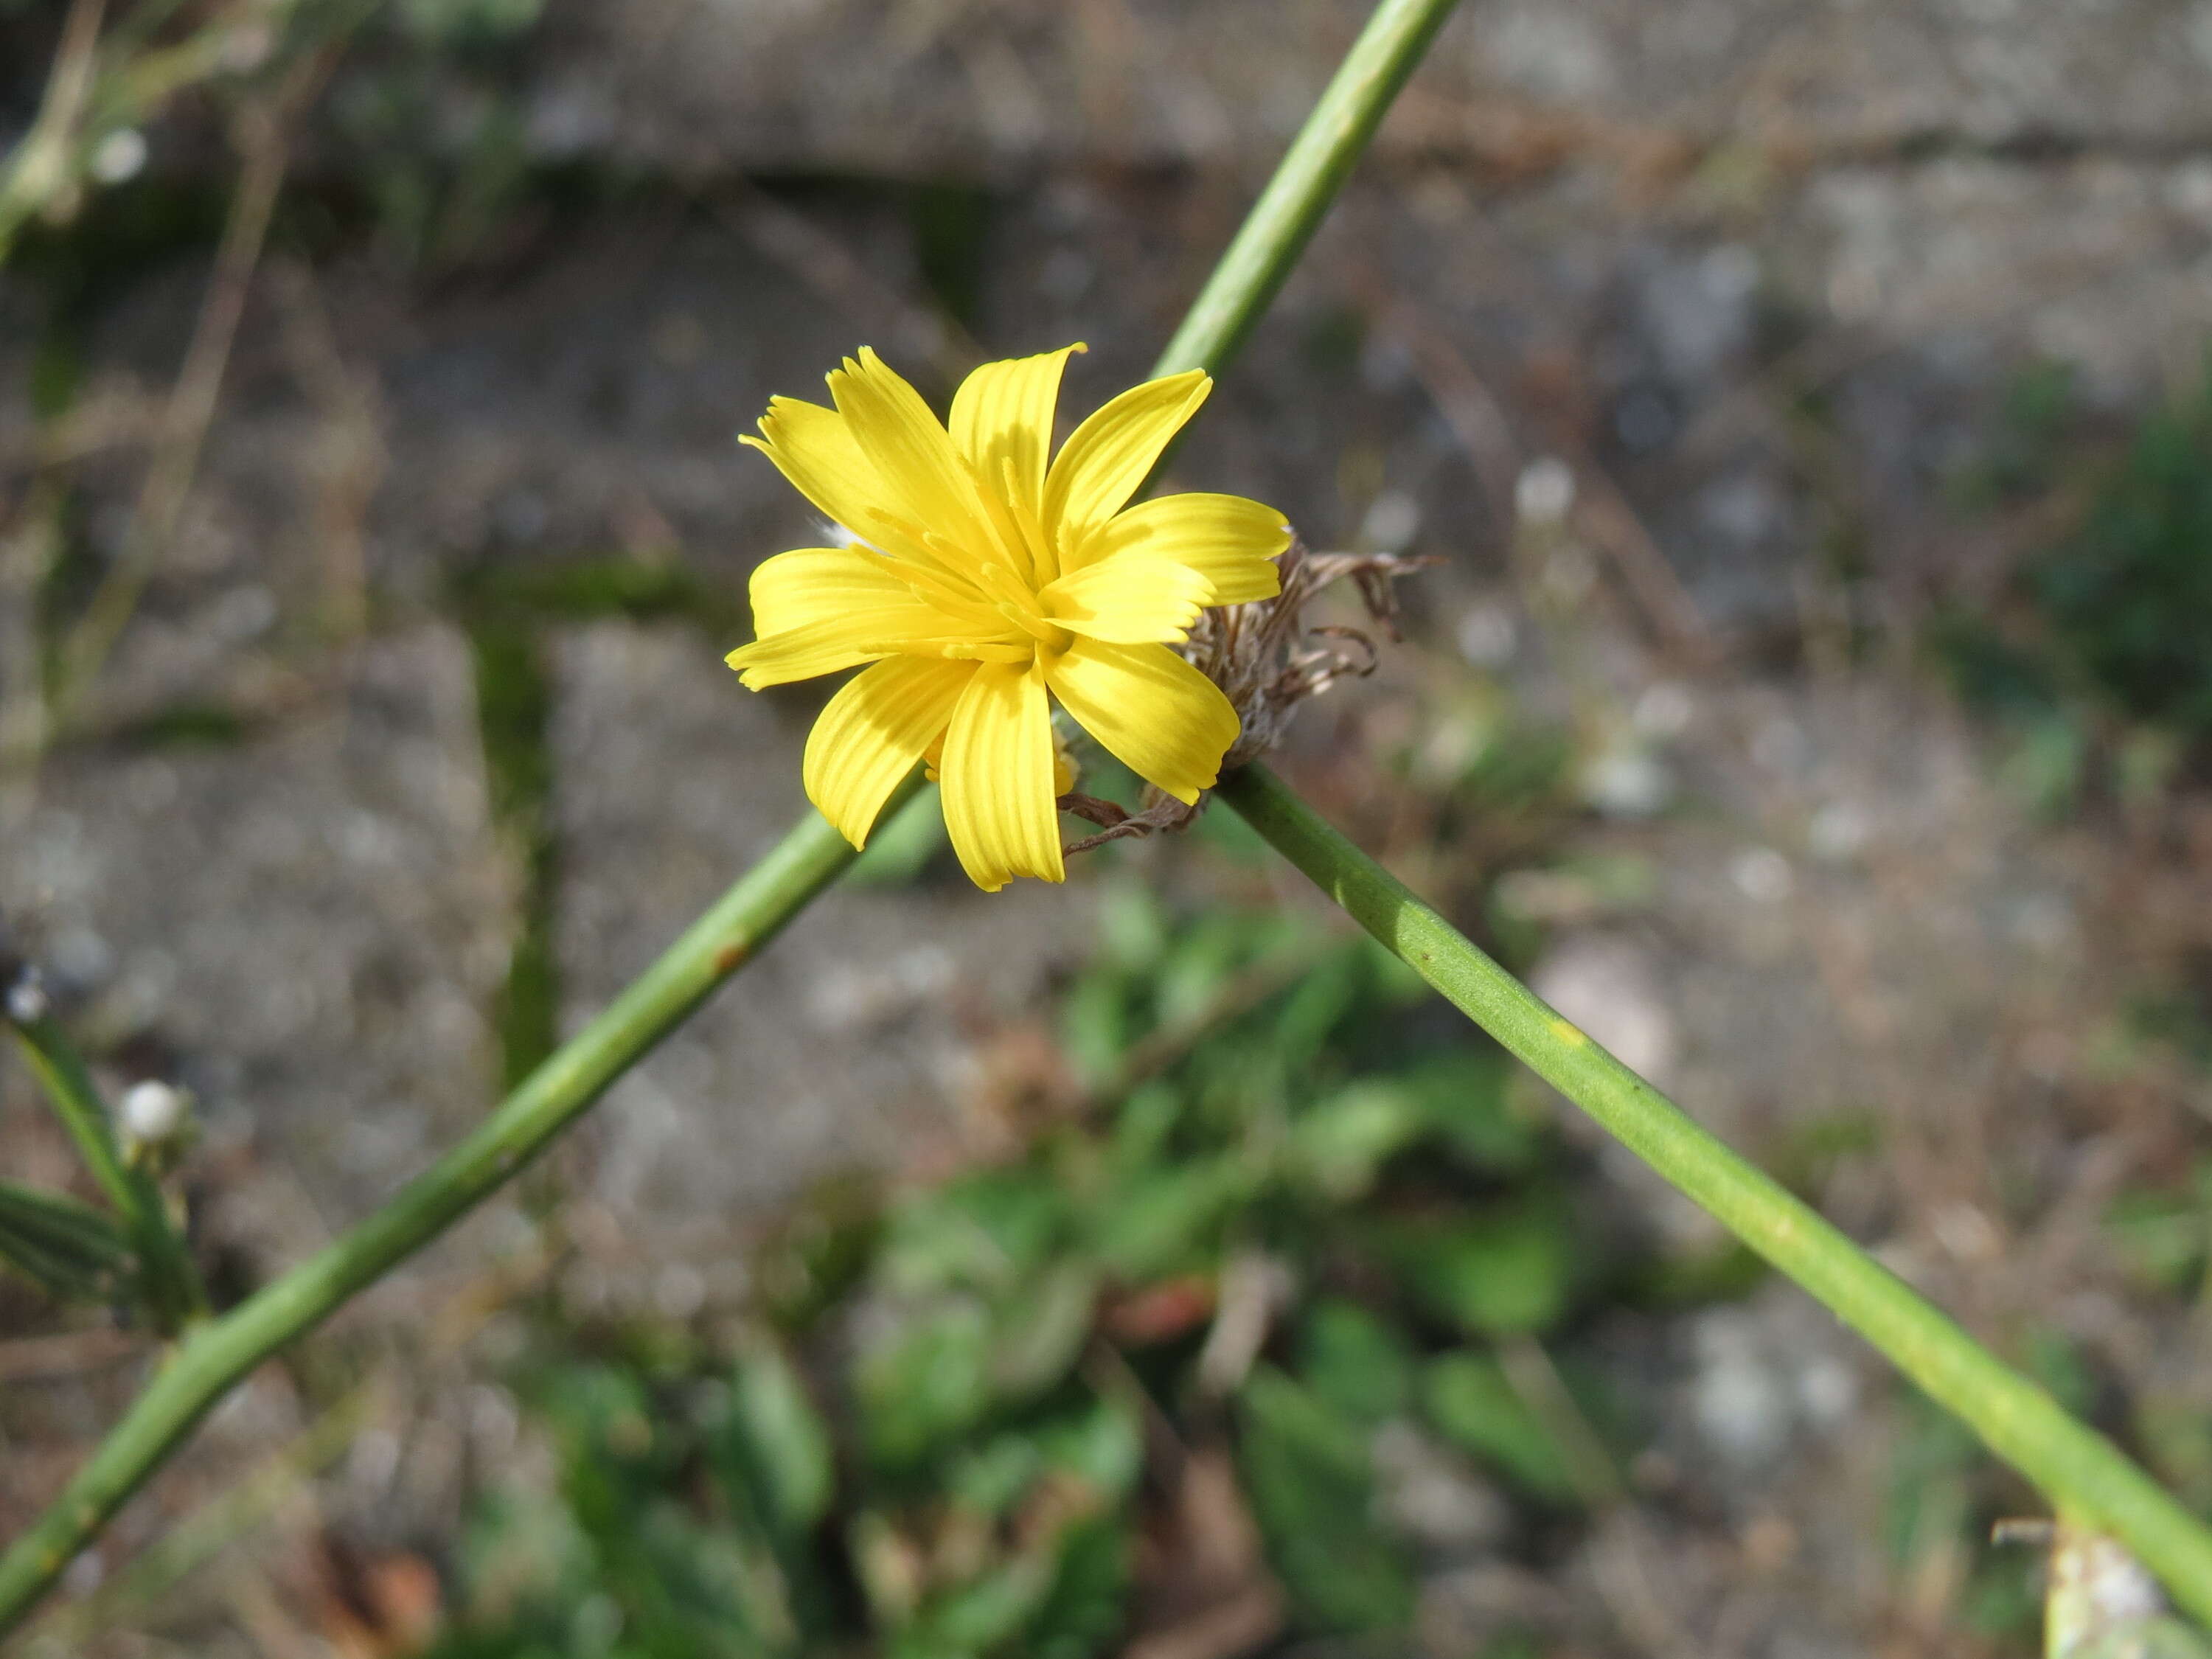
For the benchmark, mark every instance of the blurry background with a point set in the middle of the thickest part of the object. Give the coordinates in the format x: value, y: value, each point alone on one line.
x: 1805, y: 406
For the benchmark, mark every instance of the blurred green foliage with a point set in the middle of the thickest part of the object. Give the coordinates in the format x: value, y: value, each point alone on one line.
x: 71, y: 1250
x: 942, y: 1431
x: 2096, y: 661
x: 2126, y: 596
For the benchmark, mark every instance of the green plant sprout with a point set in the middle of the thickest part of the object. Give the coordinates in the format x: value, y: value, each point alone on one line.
x: 159, y: 1265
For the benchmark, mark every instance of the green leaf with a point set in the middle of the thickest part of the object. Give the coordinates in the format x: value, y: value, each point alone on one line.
x: 1318, y: 1004
x: 2162, y: 1236
x: 72, y: 1250
x: 524, y: 1561
x: 1696, y: 1276
x: 989, y: 1611
x: 1103, y: 1446
x: 929, y: 1381
x: 1503, y: 1273
x: 2051, y: 1357
x: 1310, y: 1481
x: 777, y: 1445
x: 1468, y: 1098
x: 1205, y: 956
x: 1099, y: 1443
x: 1158, y: 1221
x: 1354, y: 1362
x: 1199, y: 964
x: 1339, y: 1144
x: 985, y: 1230
x: 1096, y: 1026
x: 1132, y: 926
x: 1042, y: 1330
x: 992, y: 1477
x: 2123, y: 597
x: 611, y: 1454
x: 1141, y: 1129
x: 1083, y: 1610
x: 820, y: 1249
x: 1062, y: 1592
x: 1469, y: 1398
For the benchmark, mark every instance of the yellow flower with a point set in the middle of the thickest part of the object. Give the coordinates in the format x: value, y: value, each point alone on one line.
x: 980, y: 580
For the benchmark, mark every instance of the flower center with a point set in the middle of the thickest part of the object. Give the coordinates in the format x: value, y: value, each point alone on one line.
x: 1028, y: 616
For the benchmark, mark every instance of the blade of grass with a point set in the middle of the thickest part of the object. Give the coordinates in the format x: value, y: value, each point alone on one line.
x: 170, y: 1285
x: 2088, y: 1480
x: 38, y: 169
x: 75, y: 1252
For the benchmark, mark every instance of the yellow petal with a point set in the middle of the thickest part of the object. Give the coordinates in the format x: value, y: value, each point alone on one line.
x: 925, y: 479
x: 998, y: 770
x: 1233, y: 542
x: 1107, y: 456
x: 832, y: 643
x: 818, y: 583
x: 1154, y: 712
x: 874, y: 731
x: 1132, y: 600
x: 815, y: 449
x: 1002, y: 422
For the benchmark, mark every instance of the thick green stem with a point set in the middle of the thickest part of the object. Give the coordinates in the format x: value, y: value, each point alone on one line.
x: 169, y: 1284
x: 215, y: 1356
x: 2084, y: 1474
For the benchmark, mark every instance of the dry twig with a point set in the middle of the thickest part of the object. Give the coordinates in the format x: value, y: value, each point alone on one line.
x: 1267, y: 661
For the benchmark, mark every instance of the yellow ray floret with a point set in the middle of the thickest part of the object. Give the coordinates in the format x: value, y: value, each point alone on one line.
x: 987, y: 579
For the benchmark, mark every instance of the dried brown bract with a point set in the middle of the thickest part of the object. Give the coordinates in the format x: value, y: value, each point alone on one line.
x: 1268, y: 662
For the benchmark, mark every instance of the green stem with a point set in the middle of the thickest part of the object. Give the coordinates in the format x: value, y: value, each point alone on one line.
x: 2084, y: 1475
x: 168, y: 1282
x: 1283, y: 221
x: 215, y: 1356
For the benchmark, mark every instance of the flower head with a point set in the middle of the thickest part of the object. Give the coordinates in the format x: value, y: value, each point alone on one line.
x: 983, y: 583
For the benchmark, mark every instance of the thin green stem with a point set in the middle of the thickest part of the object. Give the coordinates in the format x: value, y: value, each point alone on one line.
x: 1283, y: 221
x: 170, y: 1285
x: 2084, y: 1475
x: 215, y: 1356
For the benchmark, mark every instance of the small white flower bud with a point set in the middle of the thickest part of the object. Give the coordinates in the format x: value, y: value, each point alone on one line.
x: 120, y: 157
x: 26, y: 998
x: 153, y: 1113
